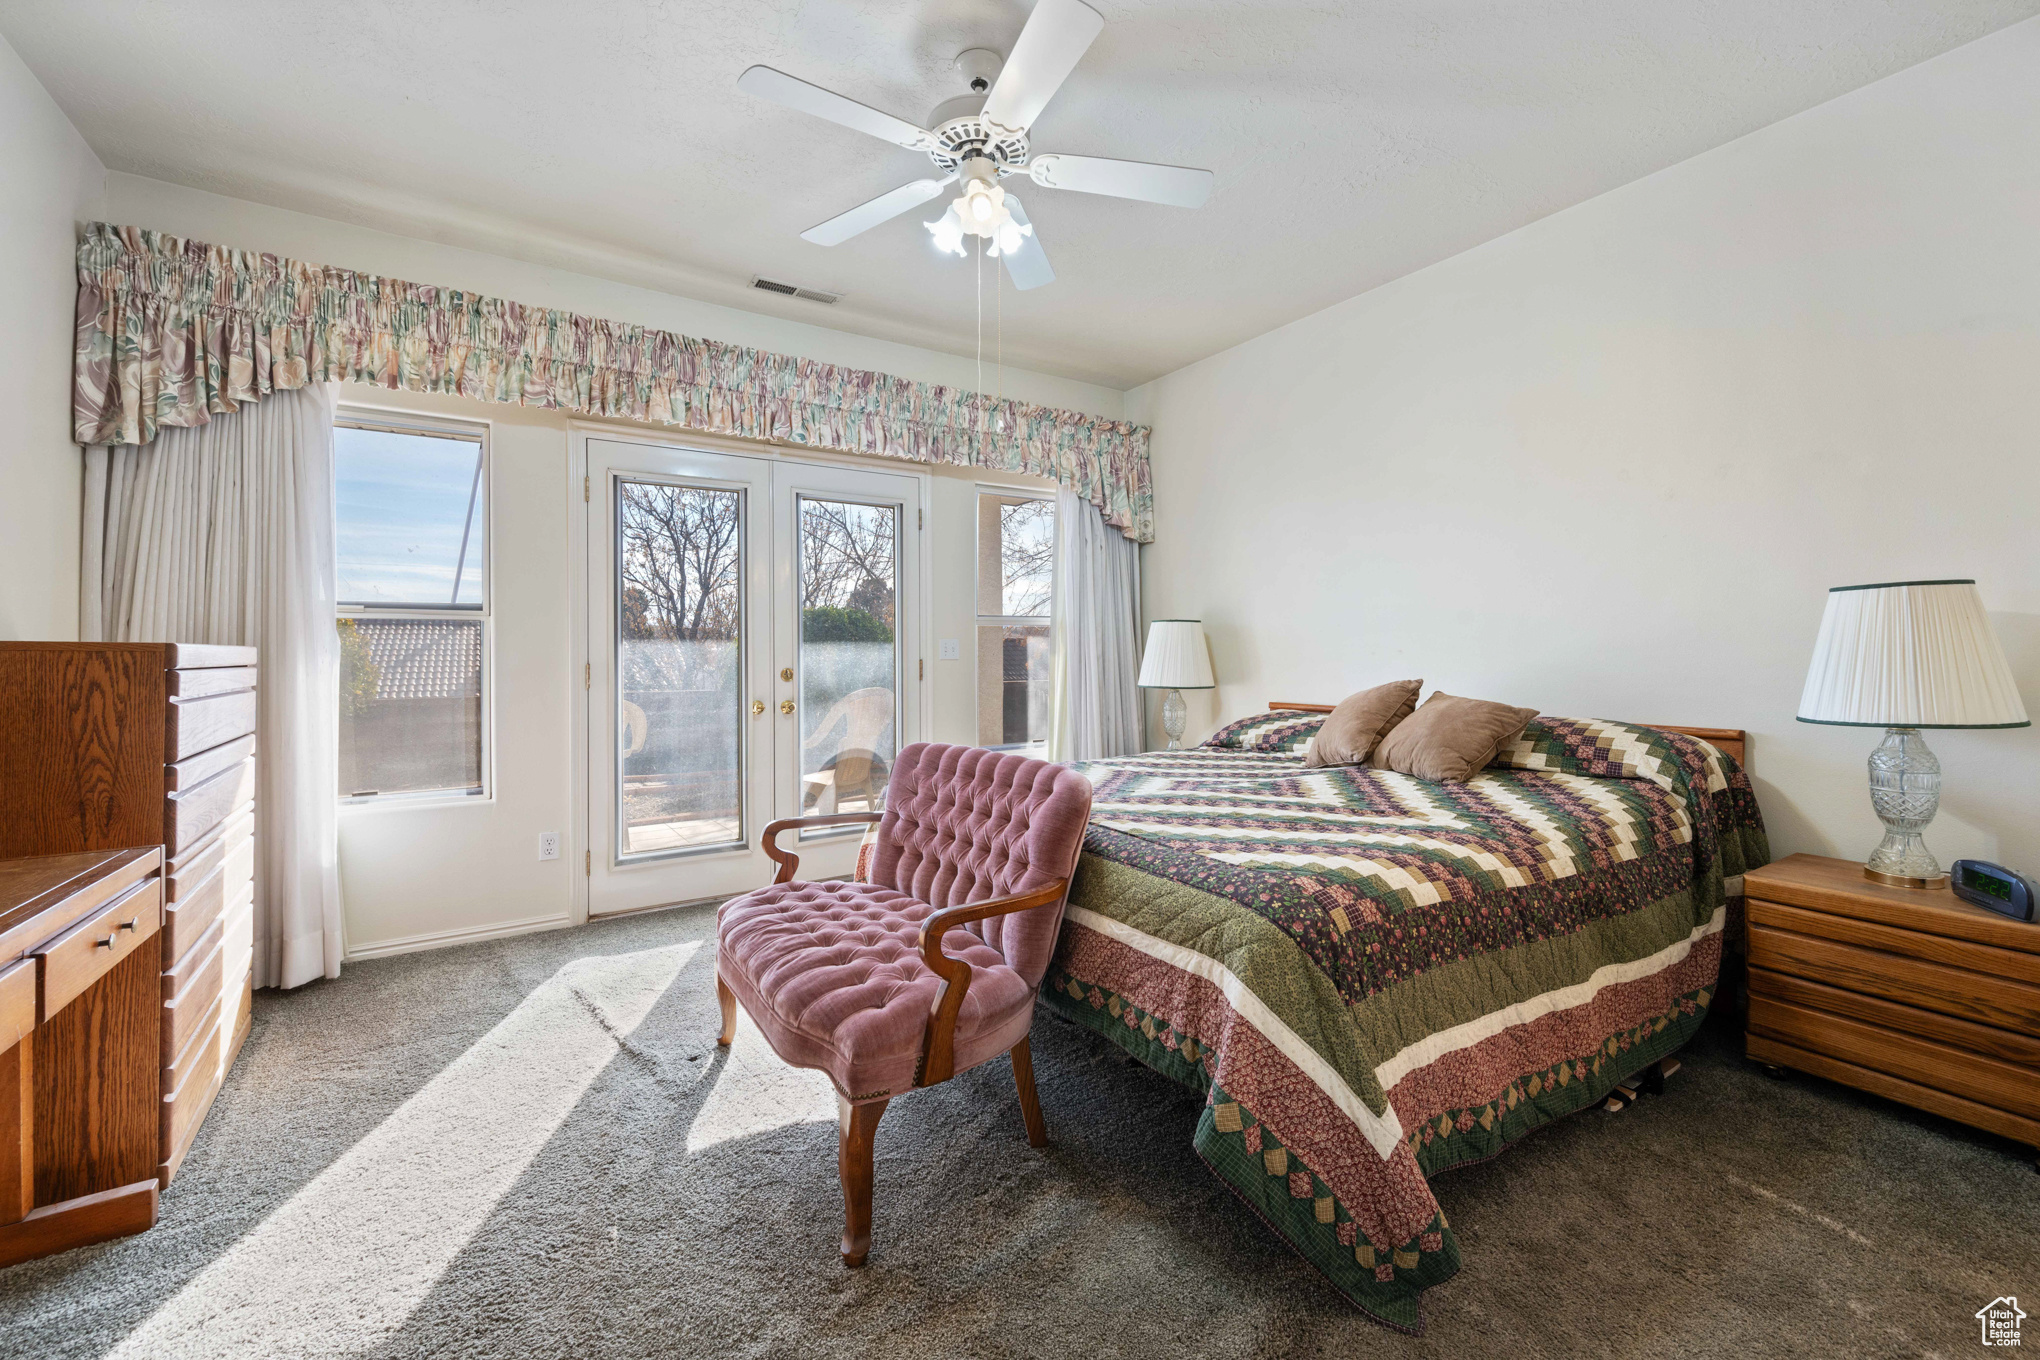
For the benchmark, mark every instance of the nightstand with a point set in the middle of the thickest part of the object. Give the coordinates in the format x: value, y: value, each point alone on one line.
x: 1909, y: 994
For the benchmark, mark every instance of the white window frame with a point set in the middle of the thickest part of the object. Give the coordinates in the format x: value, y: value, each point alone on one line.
x: 371, y: 418
x: 1009, y: 493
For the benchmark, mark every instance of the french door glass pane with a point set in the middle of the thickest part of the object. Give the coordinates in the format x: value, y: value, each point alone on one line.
x: 849, y: 663
x: 680, y: 608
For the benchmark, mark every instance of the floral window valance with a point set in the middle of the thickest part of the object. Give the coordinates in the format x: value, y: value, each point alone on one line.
x: 172, y: 332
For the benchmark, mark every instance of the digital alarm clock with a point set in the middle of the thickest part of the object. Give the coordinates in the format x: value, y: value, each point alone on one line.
x: 1994, y: 886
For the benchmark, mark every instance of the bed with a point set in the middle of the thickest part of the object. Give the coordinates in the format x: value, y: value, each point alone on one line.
x: 1375, y: 979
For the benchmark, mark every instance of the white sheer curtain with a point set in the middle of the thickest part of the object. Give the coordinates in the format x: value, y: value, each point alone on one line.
x: 1095, y: 656
x: 223, y: 533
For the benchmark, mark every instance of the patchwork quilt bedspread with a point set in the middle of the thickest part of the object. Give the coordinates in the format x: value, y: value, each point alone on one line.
x: 1375, y: 978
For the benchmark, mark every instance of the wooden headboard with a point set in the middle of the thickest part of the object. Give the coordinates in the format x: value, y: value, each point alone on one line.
x: 1733, y: 740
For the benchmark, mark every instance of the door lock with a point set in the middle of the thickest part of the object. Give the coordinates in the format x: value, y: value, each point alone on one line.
x: 757, y: 707
x: 786, y: 706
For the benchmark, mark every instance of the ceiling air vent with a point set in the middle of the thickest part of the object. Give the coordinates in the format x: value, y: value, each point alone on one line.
x: 791, y: 290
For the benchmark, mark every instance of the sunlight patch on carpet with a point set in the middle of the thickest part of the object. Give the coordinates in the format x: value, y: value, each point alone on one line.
x: 756, y: 1092
x: 342, y: 1263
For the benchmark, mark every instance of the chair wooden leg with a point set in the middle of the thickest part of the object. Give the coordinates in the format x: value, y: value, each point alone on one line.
x: 855, y: 1126
x: 728, y: 1000
x: 1030, y: 1106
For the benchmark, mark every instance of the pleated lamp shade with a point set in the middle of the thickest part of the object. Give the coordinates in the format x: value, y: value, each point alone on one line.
x: 1909, y: 654
x: 1176, y: 657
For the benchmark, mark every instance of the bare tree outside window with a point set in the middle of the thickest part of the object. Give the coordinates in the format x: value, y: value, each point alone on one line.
x: 1026, y: 557
x: 847, y: 553
x: 679, y: 561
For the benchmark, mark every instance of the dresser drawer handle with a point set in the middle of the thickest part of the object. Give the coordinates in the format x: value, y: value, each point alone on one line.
x: 106, y: 943
x: 129, y: 924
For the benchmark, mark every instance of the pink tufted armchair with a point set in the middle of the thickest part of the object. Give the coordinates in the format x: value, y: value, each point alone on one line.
x: 974, y: 846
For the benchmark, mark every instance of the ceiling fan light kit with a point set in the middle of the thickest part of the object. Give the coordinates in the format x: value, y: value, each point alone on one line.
x: 985, y: 210
x: 981, y: 138
x: 983, y: 205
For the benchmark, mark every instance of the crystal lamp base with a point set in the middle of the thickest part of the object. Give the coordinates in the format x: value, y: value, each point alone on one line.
x: 1905, y: 790
x: 1174, y: 711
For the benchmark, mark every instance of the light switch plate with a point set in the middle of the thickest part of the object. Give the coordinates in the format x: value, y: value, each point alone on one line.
x: 548, y: 845
x: 951, y: 650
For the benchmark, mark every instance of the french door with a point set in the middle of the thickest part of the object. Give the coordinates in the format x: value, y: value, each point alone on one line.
x: 754, y: 653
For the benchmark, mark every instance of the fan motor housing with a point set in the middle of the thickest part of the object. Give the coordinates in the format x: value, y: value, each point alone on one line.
x: 961, y: 132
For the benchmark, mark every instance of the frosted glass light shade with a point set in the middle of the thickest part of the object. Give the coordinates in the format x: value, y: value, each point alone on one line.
x: 1909, y: 654
x: 1176, y: 657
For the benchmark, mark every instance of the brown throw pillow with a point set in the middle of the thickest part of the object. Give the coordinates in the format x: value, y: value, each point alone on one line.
x: 1351, y: 730
x: 1450, y: 740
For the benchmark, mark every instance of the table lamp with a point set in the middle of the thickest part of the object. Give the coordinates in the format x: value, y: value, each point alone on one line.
x: 1904, y: 656
x: 1175, y: 660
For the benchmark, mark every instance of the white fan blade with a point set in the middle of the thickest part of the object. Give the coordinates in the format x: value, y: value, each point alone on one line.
x: 1171, y: 184
x: 1055, y: 39
x: 1029, y: 264
x: 884, y: 208
x: 781, y: 88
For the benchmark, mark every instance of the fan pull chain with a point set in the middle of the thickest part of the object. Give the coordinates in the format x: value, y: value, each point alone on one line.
x: 999, y: 340
x: 977, y: 273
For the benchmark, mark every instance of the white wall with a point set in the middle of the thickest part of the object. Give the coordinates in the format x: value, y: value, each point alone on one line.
x: 49, y: 182
x: 422, y: 873
x: 1609, y: 464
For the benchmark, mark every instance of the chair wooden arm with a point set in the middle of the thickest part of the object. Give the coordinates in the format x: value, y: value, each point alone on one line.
x: 790, y: 863
x: 938, y: 1049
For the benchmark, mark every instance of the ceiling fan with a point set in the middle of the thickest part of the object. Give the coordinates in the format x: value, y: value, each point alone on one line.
x: 981, y: 138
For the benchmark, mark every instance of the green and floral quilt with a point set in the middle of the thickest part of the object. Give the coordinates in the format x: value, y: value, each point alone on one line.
x: 1375, y: 978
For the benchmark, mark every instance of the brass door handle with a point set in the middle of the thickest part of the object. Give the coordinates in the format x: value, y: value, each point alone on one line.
x: 757, y: 707
x: 786, y: 706
x: 786, y: 673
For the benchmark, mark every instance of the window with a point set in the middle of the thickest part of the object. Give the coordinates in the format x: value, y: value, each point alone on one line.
x: 411, y: 539
x: 1016, y: 576
x: 680, y: 621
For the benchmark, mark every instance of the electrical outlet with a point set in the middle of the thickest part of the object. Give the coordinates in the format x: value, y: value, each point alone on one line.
x: 548, y: 845
x: 951, y: 650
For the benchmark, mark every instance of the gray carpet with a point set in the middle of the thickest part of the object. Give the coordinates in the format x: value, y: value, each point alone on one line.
x: 485, y: 1151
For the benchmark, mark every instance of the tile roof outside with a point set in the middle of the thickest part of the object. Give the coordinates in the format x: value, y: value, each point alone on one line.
x: 424, y: 658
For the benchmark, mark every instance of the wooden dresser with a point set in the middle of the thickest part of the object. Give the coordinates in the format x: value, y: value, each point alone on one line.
x: 80, y: 1063
x: 1913, y: 995
x: 108, y: 745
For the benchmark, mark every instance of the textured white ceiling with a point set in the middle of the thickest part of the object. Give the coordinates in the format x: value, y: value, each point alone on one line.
x: 1353, y: 142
